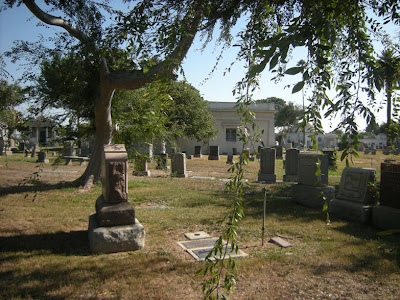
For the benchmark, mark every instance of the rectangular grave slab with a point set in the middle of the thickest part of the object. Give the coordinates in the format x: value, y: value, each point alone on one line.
x: 214, y: 153
x: 385, y: 217
x: 267, y: 165
x: 310, y: 196
x: 197, y: 235
x: 197, y: 151
x: 390, y: 184
x: 353, y: 211
x: 291, y: 165
x: 178, y: 165
x: 355, y: 185
x: 308, y: 169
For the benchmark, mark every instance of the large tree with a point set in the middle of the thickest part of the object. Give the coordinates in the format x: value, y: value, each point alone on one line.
x: 154, y: 36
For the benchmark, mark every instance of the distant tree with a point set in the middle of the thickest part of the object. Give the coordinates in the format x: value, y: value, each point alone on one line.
x: 288, y: 114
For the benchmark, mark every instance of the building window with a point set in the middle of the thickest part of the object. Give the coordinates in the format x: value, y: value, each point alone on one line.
x: 231, y: 134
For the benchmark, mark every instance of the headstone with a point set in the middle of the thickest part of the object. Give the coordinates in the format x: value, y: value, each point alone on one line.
x: 188, y: 156
x: 85, y: 149
x: 279, y: 151
x: 178, y: 165
x: 312, y: 181
x: 267, y: 165
x: 197, y: 151
x: 69, y: 148
x: 288, y: 146
x: 35, y: 149
x: 330, y: 153
x: 395, y: 151
x: 21, y: 146
x: 2, y: 144
x: 42, y: 157
x: 291, y: 165
x: 78, y: 151
x: 390, y: 184
x: 373, y: 151
x: 114, y: 228
x: 366, y: 151
x: 162, y: 161
x: 214, y: 153
x: 230, y: 160
x: 386, y: 151
x: 141, y: 167
x: 147, y: 149
x: 234, y: 151
x: 355, y: 200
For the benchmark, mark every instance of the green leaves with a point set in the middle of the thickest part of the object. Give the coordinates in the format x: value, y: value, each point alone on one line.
x: 298, y: 87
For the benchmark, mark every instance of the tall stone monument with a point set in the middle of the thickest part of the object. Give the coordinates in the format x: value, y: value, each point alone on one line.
x: 312, y: 181
x: 214, y: 153
x: 291, y: 165
x: 267, y: 165
x: 355, y: 200
x: 114, y: 228
x: 178, y: 165
x: 387, y: 214
x: 197, y: 151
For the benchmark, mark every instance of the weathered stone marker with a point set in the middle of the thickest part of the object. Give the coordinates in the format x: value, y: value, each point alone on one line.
x: 354, y: 200
x: 197, y: 151
x: 279, y: 151
x: 85, y: 149
x: 42, y: 157
x: 162, y: 161
x: 69, y: 148
x: 387, y: 214
x: 114, y: 228
x: 178, y: 165
x: 214, y: 153
x: 229, y: 160
x: 291, y: 165
x: 267, y: 165
x: 141, y: 167
x: 312, y: 181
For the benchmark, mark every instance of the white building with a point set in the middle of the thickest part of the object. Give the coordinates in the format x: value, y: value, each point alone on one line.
x: 41, y: 131
x: 296, y: 136
x: 375, y: 141
x: 227, y: 122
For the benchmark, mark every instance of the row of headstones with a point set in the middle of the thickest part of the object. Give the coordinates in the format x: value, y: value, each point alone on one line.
x: 356, y: 199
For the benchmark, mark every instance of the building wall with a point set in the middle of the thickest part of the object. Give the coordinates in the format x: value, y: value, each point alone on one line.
x: 226, y: 117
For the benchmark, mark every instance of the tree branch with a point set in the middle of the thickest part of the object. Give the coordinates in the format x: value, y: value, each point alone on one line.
x: 55, y: 21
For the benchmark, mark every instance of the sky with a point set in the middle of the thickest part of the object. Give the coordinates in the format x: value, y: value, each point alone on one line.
x: 18, y: 24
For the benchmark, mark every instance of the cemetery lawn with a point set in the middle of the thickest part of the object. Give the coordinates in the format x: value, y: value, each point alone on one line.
x: 44, y: 251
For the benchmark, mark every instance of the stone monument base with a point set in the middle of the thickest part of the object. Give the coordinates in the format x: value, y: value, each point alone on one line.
x: 116, y: 238
x: 386, y: 217
x: 310, y: 196
x: 198, y: 155
x: 142, y: 173
x: 349, y: 210
x: 213, y: 157
x: 290, y: 178
x: 267, y: 178
x: 180, y: 175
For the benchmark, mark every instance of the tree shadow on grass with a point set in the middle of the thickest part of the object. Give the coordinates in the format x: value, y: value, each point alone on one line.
x: 65, y: 243
x: 35, y: 188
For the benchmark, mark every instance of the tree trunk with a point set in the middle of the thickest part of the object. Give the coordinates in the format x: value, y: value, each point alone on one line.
x: 103, y: 136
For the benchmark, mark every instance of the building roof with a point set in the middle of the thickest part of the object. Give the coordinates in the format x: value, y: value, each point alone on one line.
x: 230, y: 106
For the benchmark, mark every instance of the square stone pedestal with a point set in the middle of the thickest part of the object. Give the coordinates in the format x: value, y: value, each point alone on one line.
x: 349, y: 210
x: 116, y: 238
x: 310, y: 196
x: 386, y: 217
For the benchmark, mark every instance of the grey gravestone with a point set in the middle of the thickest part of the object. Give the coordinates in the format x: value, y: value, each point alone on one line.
x: 114, y: 228
x: 279, y: 151
x: 386, y: 151
x: 162, y: 161
x: 267, y: 165
x: 312, y: 184
x: 42, y: 157
x: 141, y: 167
x: 197, y: 151
x: 147, y: 149
x: 291, y: 165
x: 214, y: 153
x: 373, y: 151
x: 69, y: 148
x: 2, y: 144
x: 178, y: 165
x: 390, y: 184
x: 229, y: 160
x: 234, y: 151
x: 354, y: 200
x: 85, y: 149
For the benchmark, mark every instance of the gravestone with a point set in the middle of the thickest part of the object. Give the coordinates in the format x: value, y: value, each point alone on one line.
x: 279, y: 151
x: 69, y: 148
x: 114, y: 228
x: 386, y: 151
x: 267, y: 165
x: 395, y: 151
x: 291, y: 165
x: 197, y: 151
x: 373, y: 151
x: 85, y: 149
x: 78, y: 152
x: 35, y: 148
x: 178, y: 165
x: 141, y: 167
x: 288, y: 146
x: 189, y: 156
x: 312, y: 181
x: 234, y: 151
x: 146, y: 149
x: 42, y: 157
x: 2, y: 144
x: 355, y: 199
x: 21, y: 146
x: 162, y: 161
x: 366, y: 151
x: 330, y: 153
x: 214, y: 153
x: 230, y: 160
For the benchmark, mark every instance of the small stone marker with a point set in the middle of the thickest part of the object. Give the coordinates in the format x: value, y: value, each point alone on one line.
x: 197, y: 235
x: 279, y: 152
x: 281, y: 242
x: 141, y: 167
x: 42, y: 157
x: 69, y: 148
x: 162, y: 161
x: 114, y: 228
x: 229, y: 160
x: 214, y: 153
x: 267, y: 165
x: 197, y: 151
x: 178, y: 165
